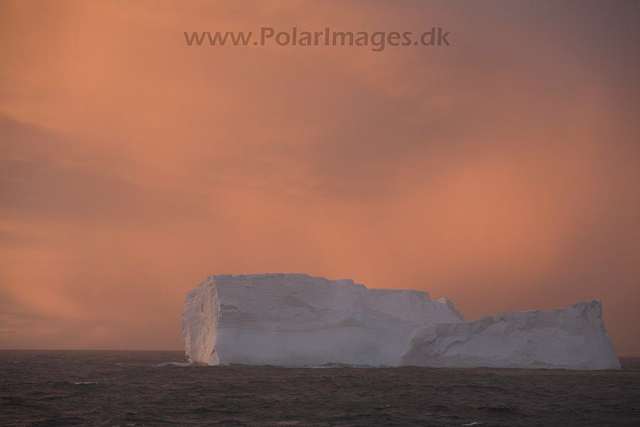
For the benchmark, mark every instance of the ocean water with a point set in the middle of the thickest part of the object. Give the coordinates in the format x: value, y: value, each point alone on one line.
x: 128, y: 388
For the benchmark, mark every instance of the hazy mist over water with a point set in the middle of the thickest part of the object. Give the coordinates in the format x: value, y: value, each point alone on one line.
x: 155, y: 388
x: 501, y: 171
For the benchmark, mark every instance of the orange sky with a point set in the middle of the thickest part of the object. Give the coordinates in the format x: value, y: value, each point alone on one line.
x: 502, y: 171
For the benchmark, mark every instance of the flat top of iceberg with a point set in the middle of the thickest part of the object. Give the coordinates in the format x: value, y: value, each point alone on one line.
x: 303, y: 277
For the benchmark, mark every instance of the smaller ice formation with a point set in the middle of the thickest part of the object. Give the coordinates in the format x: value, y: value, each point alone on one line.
x: 569, y: 338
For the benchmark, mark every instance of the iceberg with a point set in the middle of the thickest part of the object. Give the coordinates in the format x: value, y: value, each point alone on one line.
x: 299, y: 320
x: 565, y: 338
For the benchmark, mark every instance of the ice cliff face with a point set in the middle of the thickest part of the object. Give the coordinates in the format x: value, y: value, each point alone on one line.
x: 569, y: 338
x: 296, y: 319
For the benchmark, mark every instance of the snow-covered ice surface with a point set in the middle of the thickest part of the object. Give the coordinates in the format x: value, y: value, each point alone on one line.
x: 565, y: 338
x: 298, y: 320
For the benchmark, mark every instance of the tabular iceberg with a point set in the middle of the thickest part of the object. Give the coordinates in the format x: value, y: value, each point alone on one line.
x: 569, y: 338
x: 299, y: 320
x: 296, y: 319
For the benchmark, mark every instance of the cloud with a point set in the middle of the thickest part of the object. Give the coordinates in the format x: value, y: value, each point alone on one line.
x: 501, y: 171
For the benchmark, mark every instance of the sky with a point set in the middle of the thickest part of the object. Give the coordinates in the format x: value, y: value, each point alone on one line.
x: 502, y: 171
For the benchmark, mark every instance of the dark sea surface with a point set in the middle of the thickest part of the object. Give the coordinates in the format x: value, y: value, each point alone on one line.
x: 129, y: 388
